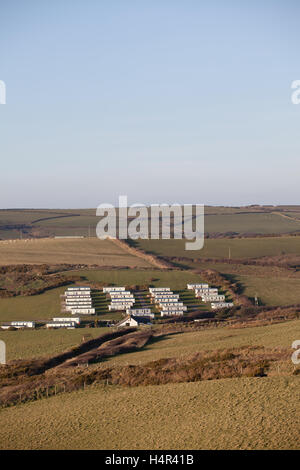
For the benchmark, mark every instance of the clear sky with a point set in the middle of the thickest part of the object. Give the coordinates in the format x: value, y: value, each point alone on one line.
x: 162, y: 100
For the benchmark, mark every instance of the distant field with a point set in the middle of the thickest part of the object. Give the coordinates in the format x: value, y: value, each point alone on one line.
x: 219, y: 248
x: 50, y: 222
x: 248, y: 413
x: 251, y: 223
x: 26, y: 344
x: 280, y: 335
x: 173, y: 279
x: 72, y: 251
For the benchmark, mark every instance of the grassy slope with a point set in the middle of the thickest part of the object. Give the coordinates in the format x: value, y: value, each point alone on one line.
x: 72, y: 251
x: 279, y: 335
x: 32, y: 344
x: 254, y: 413
x: 173, y: 279
x: 218, y: 219
x: 273, y: 285
x: 270, y: 290
x: 219, y: 248
x: 34, y: 307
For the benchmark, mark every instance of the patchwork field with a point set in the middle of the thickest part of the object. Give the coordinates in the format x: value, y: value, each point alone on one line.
x: 223, y: 247
x: 248, y: 413
x: 73, y: 251
x: 169, y: 278
x: 15, y: 223
x: 233, y: 413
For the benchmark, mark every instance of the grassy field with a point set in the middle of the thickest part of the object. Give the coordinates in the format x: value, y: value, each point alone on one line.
x: 36, y: 307
x: 72, y: 251
x: 219, y: 248
x: 43, y: 222
x: 173, y: 279
x: 272, y: 285
x: 251, y: 223
x: 26, y: 344
x: 271, y: 290
x: 248, y: 413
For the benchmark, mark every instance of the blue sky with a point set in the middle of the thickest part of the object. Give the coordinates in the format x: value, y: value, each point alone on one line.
x: 161, y: 100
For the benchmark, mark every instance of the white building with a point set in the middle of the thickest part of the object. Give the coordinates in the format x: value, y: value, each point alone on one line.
x: 133, y: 321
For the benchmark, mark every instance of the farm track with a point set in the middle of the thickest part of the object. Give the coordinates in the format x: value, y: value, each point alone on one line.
x: 286, y: 216
x: 55, y: 217
x: 152, y: 259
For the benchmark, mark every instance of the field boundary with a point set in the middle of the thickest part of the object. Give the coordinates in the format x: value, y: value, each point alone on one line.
x: 152, y: 259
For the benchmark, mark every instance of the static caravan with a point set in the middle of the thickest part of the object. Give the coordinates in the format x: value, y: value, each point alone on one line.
x: 206, y: 293
x: 70, y: 325
x: 76, y: 320
x: 71, y: 308
x: 107, y: 290
x: 120, y: 294
x: 171, y: 313
x: 217, y: 305
x: 170, y: 309
x: 170, y: 303
x: 169, y: 297
x: 18, y: 324
x: 78, y: 288
x: 23, y: 324
x: 197, y: 286
x: 162, y: 294
x: 122, y: 301
x: 83, y: 311
x: 210, y: 290
x: 78, y: 302
x: 140, y: 312
x: 159, y: 289
x: 119, y: 307
x: 75, y: 298
x: 213, y: 298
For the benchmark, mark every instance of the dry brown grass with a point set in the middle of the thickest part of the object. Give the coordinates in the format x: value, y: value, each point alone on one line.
x: 244, y: 413
x: 87, y: 251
